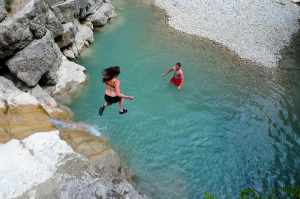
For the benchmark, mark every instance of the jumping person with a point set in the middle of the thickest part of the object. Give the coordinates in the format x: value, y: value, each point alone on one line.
x: 178, y: 77
x: 112, y: 90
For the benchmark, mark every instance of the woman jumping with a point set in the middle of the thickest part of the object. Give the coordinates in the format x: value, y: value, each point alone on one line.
x: 178, y: 77
x: 112, y: 90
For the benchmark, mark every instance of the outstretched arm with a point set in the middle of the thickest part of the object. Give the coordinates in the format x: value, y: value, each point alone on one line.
x: 118, y: 92
x: 167, y: 71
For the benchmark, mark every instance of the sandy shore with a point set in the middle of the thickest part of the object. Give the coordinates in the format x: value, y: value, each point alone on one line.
x: 255, y: 30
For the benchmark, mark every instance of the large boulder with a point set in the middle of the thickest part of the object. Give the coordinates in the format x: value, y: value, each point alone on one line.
x: 14, y: 36
x: 70, y: 77
x: 34, y: 11
x: 98, y: 19
x: 108, y: 10
x: 37, y: 30
x: 66, y: 11
x: 38, y: 58
x: 101, y: 15
x: 53, y: 24
x: 84, y: 37
x: 68, y: 35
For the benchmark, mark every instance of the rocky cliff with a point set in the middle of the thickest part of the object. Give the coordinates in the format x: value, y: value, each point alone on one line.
x: 38, y: 40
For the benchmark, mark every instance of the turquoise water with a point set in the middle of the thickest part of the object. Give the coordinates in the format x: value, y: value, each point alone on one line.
x: 231, y: 127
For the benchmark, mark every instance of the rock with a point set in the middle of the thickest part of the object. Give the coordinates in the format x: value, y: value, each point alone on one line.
x: 53, y: 24
x: 108, y: 10
x: 13, y: 37
x: 21, y: 113
x: 70, y: 77
x: 30, y: 162
x: 66, y: 11
x: 85, y: 33
x: 3, y: 12
x: 34, y: 11
x: 38, y: 58
x: 53, y: 2
x: 98, y: 19
x: 68, y: 35
x: 69, y: 53
x: 49, y: 104
x: 37, y: 30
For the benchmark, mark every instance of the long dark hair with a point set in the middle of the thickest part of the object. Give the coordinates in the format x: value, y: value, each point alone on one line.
x: 110, y: 73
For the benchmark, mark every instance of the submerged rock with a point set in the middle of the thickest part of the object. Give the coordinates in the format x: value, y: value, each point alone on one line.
x: 38, y: 58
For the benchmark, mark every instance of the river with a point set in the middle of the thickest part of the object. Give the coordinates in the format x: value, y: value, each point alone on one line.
x: 233, y: 126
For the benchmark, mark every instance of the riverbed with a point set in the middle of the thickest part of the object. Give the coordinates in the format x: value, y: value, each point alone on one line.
x: 233, y: 126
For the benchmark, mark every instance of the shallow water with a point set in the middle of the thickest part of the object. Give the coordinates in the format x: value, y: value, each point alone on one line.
x: 231, y: 127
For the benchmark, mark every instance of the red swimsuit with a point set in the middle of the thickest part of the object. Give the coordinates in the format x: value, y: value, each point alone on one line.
x: 176, y: 79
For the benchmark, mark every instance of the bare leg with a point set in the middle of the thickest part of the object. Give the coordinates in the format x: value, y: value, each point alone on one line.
x: 101, y: 109
x: 121, y: 104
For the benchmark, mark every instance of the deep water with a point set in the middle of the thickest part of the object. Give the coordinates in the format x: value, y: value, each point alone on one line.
x: 233, y: 126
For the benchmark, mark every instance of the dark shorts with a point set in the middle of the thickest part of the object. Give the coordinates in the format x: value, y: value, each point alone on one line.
x: 112, y: 100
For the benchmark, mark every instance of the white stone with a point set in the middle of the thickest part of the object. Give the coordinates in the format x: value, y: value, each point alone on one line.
x: 25, y: 164
x: 70, y: 76
x: 256, y: 30
x: 85, y: 33
x: 13, y: 96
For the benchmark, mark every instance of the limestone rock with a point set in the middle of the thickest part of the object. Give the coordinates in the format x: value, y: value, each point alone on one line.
x: 98, y: 19
x: 84, y: 37
x: 69, y: 53
x: 68, y: 35
x: 21, y: 113
x: 30, y: 162
x: 34, y: 11
x: 3, y: 12
x: 108, y: 10
x: 13, y: 37
x: 49, y: 104
x: 70, y: 77
x: 38, y: 58
x: 53, y: 24
x: 37, y: 30
x: 66, y: 11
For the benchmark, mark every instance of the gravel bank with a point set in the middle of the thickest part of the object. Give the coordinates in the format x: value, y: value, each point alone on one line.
x: 256, y: 30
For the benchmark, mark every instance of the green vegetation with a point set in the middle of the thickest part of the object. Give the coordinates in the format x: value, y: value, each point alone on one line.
x: 8, y: 4
x: 208, y: 196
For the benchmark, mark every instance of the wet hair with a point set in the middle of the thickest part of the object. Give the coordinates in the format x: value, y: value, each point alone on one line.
x: 110, y: 73
x: 178, y: 64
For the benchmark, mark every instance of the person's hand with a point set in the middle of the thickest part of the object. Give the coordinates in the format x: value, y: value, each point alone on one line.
x: 130, y: 97
x: 163, y: 75
x: 179, y: 88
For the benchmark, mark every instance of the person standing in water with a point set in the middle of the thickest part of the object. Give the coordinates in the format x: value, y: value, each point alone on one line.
x: 112, y: 90
x: 178, y: 77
